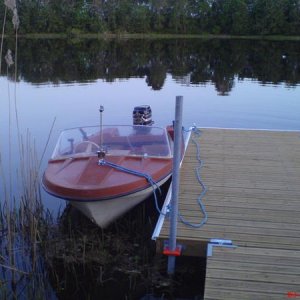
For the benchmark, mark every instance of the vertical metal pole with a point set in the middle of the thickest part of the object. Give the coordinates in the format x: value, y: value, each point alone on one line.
x: 175, y: 182
x: 101, y: 110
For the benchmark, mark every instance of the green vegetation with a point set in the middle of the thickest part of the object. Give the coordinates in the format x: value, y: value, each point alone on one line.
x: 24, y: 225
x: 230, y: 17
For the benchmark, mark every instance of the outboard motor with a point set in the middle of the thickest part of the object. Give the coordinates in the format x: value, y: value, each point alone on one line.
x: 142, y: 115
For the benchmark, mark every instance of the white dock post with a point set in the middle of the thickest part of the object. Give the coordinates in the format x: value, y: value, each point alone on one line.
x: 175, y: 183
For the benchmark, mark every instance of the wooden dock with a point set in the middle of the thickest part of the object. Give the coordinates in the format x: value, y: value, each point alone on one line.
x: 253, y: 199
x: 252, y: 274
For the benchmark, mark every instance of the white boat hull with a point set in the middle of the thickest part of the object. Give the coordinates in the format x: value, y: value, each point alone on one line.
x: 103, y: 212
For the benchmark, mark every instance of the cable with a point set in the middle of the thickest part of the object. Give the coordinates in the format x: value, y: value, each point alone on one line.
x: 152, y: 182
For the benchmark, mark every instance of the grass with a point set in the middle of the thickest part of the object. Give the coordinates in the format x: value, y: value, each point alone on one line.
x: 111, y: 262
x: 23, y: 226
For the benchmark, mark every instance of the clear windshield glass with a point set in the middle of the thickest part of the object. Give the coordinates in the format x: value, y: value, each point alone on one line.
x: 115, y: 140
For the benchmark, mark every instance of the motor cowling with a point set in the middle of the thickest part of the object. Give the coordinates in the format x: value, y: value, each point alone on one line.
x: 142, y: 115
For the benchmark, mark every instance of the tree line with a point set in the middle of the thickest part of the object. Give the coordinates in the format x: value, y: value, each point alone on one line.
x: 232, y: 17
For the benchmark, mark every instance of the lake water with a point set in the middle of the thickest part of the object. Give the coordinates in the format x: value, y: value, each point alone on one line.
x: 225, y: 83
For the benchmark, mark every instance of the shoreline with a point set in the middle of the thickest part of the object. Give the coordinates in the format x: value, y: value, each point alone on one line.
x: 73, y: 35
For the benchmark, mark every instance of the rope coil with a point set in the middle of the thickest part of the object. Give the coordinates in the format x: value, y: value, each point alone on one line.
x: 198, y: 133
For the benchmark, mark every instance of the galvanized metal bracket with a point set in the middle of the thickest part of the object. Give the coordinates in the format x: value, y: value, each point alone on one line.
x: 218, y: 243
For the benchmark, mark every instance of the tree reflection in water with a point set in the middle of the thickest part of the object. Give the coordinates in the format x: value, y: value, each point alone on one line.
x: 198, y: 61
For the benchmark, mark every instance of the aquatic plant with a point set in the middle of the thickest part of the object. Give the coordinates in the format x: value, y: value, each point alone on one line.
x: 115, y: 263
x: 23, y: 221
x: 23, y: 225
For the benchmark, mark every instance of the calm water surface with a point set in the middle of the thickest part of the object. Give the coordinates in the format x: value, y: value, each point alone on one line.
x: 225, y: 83
x: 228, y: 84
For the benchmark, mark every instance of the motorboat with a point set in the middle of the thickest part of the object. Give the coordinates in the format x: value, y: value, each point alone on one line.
x: 106, y: 170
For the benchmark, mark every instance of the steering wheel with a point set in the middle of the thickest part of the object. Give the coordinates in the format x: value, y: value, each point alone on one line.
x: 86, y: 147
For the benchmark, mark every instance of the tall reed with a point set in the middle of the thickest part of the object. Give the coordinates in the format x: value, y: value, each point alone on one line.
x: 23, y: 221
x: 2, y: 37
x: 24, y: 226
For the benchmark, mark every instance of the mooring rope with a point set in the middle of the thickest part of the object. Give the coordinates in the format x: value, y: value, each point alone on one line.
x: 151, y: 181
x: 197, y: 133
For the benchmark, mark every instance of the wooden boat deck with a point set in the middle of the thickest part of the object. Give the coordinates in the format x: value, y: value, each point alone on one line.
x: 253, y: 199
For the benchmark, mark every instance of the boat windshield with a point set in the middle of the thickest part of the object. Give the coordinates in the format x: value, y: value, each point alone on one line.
x: 114, y: 140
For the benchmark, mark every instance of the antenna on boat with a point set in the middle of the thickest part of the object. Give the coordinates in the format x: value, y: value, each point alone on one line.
x: 101, y: 110
x: 101, y: 152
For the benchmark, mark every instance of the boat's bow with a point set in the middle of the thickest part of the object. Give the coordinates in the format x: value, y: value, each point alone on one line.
x: 83, y: 179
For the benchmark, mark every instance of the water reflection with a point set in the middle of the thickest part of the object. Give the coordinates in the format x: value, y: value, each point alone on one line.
x: 192, y: 68
x: 194, y: 62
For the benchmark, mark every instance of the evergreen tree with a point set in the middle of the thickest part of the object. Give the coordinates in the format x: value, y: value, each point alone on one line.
x: 238, y: 17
